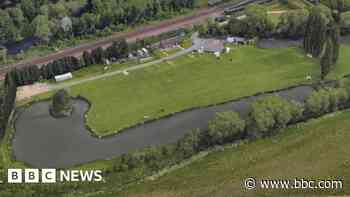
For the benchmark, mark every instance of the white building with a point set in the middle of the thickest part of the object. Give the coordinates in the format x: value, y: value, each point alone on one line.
x: 63, y: 77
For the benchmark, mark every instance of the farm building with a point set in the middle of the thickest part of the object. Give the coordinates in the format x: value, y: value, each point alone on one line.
x: 63, y: 77
x: 168, y: 43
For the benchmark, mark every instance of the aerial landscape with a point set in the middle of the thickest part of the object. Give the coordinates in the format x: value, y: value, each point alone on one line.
x: 170, y: 98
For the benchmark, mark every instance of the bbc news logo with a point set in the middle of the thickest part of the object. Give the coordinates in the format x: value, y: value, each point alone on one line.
x: 52, y: 176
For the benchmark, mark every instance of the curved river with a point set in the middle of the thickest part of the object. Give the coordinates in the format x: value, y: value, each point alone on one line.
x: 42, y: 141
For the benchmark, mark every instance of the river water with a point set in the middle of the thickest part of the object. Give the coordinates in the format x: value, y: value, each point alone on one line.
x: 43, y: 141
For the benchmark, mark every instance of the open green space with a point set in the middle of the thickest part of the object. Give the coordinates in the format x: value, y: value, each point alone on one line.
x: 317, y: 150
x: 192, y: 81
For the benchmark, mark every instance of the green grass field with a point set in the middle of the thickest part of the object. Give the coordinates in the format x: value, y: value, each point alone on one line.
x: 317, y: 150
x: 191, y: 81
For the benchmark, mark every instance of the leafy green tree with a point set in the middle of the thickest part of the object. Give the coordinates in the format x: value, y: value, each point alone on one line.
x: 61, y: 104
x: 86, y: 24
x: 57, y: 10
x: 8, y: 31
x: 257, y: 20
x: 98, y: 55
x: 334, y: 36
x: 41, y: 27
x: 293, y: 23
x: 190, y: 144
x: 273, y: 112
x: 88, y: 59
x: 340, y: 5
x: 337, y: 98
x: 3, y: 54
x: 30, y: 8
x: 226, y: 127
x: 318, y: 102
x: 327, y: 59
x: 345, y: 20
x: 236, y: 27
x: 18, y: 19
x: 316, y: 30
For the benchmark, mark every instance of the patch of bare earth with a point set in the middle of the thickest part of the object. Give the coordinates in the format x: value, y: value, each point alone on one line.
x: 28, y: 91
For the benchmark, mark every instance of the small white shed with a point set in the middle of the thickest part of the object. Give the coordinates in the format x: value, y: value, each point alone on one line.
x: 63, y: 77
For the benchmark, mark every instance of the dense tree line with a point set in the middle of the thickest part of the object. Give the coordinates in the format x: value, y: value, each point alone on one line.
x: 53, y: 20
x: 31, y: 74
x: 8, y: 90
x: 118, y: 50
x: 257, y: 23
x: 293, y: 24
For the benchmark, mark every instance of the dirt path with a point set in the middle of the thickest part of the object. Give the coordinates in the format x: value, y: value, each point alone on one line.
x: 25, y: 92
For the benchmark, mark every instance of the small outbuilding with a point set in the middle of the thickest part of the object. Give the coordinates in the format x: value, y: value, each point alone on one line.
x: 63, y: 77
x: 235, y: 40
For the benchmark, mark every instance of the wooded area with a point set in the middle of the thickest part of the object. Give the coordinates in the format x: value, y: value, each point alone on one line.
x: 53, y: 20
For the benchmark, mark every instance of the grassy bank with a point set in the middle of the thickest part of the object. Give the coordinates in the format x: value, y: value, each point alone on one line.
x: 192, y: 81
x: 314, y: 150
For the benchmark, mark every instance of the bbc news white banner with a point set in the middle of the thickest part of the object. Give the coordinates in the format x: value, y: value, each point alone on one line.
x: 52, y: 176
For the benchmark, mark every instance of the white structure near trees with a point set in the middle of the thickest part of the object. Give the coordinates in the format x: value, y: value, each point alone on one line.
x: 63, y: 77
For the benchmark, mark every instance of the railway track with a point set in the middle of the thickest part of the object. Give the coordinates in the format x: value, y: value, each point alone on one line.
x: 153, y: 30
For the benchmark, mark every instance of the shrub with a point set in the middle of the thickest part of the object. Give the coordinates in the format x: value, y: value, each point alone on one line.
x: 226, y: 127
x: 326, y: 100
x: 338, y: 98
x: 61, y: 104
x: 189, y: 144
x: 273, y: 112
x: 318, y: 102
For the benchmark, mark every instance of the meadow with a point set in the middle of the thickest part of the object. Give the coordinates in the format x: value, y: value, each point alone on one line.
x: 193, y: 81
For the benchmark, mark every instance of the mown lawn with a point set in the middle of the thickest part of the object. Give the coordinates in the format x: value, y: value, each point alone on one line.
x: 191, y: 81
x: 316, y: 150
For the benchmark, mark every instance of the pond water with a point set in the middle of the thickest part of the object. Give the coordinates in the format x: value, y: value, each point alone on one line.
x: 43, y: 141
x: 285, y: 43
x: 278, y: 43
x: 21, y: 46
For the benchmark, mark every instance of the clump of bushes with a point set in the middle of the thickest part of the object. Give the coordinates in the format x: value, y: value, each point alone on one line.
x: 273, y: 112
x: 326, y: 100
x: 226, y: 127
x: 61, y: 104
